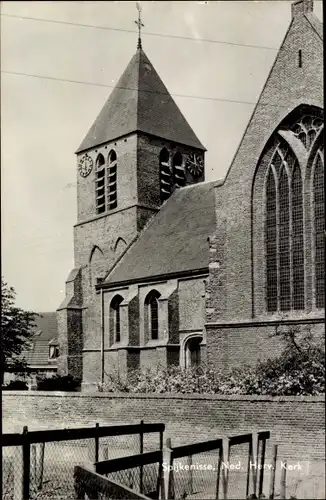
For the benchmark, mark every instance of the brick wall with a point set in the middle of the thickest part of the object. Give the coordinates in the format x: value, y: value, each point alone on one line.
x: 296, y: 423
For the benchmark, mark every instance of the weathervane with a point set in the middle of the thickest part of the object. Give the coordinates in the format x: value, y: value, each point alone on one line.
x: 139, y: 24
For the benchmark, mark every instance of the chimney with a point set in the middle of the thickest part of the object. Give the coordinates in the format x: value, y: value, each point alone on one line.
x: 301, y: 7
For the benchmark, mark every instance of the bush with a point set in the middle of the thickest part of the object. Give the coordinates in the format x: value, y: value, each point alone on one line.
x: 58, y: 383
x: 15, y: 385
x: 298, y: 370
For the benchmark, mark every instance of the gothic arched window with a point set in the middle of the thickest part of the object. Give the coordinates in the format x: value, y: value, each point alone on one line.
x: 307, y: 128
x: 178, y: 170
x: 151, y: 316
x: 288, y: 213
x: 165, y: 175
x: 112, y: 181
x: 100, y: 184
x: 115, y: 326
x: 319, y: 212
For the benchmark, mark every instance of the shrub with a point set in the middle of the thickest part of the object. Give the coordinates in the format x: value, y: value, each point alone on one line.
x: 58, y: 383
x: 15, y: 385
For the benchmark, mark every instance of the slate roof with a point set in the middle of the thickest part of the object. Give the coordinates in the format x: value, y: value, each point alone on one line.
x: 175, y: 239
x: 46, y: 332
x: 315, y: 23
x: 140, y: 102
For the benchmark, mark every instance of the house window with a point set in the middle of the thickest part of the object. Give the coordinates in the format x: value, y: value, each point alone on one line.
x: 53, y: 352
x: 115, y: 320
x: 178, y: 170
x: 112, y: 180
x: 165, y: 175
x: 151, y: 314
x: 319, y: 244
x: 100, y: 184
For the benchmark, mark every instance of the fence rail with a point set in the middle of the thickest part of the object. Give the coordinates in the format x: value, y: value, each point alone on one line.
x: 171, y: 484
x: 24, y: 458
x: 90, y: 483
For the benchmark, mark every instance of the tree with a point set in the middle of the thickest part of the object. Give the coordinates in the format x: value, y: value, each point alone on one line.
x: 16, y: 329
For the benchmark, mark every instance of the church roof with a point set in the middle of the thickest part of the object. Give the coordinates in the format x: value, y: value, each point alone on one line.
x: 175, y: 240
x: 140, y: 102
x: 315, y: 23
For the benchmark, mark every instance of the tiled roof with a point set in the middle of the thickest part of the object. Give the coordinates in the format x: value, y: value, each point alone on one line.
x: 315, y: 23
x: 175, y: 240
x: 46, y: 332
x: 140, y: 102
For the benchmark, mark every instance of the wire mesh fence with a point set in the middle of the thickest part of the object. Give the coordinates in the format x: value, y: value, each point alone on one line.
x: 46, y: 469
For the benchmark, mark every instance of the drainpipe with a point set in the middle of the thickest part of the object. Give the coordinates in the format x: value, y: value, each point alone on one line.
x: 102, y: 337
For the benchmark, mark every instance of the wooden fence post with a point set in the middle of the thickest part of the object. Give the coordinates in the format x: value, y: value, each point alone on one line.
x: 261, y: 471
x: 225, y: 470
x: 40, y: 468
x: 254, y: 461
x: 26, y: 463
x: 168, y: 481
x: 190, y: 476
x: 272, y: 473
x: 219, y: 462
x: 283, y: 481
x: 141, y: 451
x: 97, y: 443
x: 160, y: 479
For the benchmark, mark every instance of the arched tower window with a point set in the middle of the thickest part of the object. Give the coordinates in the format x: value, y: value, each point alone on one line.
x: 298, y: 293
x: 284, y: 241
x: 271, y: 244
x: 151, y: 316
x: 165, y: 175
x: 115, y: 326
x: 319, y: 212
x: 178, y: 170
x: 100, y: 184
x: 112, y: 181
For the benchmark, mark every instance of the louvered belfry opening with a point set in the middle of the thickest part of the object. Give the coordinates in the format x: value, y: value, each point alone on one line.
x: 112, y: 180
x: 165, y: 175
x: 178, y: 170
x: 100, y: 184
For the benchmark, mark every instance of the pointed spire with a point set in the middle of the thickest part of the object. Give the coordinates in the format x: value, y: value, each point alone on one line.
x: 139, y: 24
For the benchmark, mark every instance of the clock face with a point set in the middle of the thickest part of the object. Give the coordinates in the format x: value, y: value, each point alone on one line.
x: 195, y: 164
x: 85, y: 165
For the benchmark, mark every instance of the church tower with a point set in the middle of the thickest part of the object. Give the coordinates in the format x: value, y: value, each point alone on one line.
x: 137, y: 152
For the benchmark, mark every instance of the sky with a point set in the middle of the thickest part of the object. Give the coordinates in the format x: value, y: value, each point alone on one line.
x: 43, y: 120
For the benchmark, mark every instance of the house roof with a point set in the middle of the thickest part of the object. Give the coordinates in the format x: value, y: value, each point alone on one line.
x: 45, y: 333
x: 140, y: 102
x: 175, y: 239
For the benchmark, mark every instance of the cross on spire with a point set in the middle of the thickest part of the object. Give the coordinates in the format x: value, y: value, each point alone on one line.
x: 139, y: 24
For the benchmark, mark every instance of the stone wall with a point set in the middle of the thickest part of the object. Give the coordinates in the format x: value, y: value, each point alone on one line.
x: 296, y: 423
